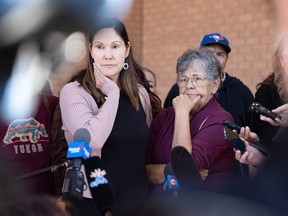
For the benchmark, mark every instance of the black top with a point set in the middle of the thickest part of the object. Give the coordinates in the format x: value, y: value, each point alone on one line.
x: 123, y: 154
x: 268, y: 97
x: 233, y: 96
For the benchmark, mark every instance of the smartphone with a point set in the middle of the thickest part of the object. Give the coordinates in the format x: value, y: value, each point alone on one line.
x: 258, y: 108
x: 234, y: 139
x: 238, y: 144
x: 232, y: 126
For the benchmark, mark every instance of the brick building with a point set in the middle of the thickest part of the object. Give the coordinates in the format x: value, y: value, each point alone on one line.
x: 160, y: 30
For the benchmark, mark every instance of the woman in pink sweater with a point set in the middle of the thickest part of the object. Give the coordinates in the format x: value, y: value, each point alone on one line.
x: 112, y: 101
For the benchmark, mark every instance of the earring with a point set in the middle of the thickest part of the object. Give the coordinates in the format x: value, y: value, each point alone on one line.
x: 125, y: 66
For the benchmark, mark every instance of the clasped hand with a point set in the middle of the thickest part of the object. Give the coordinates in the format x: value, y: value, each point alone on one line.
x: 183, y: 103
x: 102, y: 82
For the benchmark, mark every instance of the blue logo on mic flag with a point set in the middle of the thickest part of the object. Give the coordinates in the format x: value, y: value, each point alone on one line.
x: 98, y: 174
x: 79, y: 149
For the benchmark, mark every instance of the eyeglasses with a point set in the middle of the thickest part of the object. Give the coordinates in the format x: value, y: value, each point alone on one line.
x: 196, y: 81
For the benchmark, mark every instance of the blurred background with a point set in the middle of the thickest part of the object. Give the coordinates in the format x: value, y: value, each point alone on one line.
x: 161, y: 30
x: 44, y: 40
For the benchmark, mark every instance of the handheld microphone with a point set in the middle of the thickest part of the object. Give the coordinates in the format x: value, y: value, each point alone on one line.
x: 185, y: 169
x: 78, y: 151
x: 258, y: 108
x: 171, y: 185
x: 99, y: 185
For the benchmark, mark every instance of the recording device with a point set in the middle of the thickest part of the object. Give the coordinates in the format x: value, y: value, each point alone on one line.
x: 78, y: 151
x: 239, y: 144
x: 232, y: 126
x: 258, y: 108
x: 171, y: 185
x: 99, y: 184
x: 234, y: 139
x: 185, y: 169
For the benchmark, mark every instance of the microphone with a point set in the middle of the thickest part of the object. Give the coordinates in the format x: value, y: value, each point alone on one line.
x: 78, y: 151
x: 258, y: 108
x: 50, y: 169
x: 171, y: 185
x: 99, y: 185
x: 185, y: 169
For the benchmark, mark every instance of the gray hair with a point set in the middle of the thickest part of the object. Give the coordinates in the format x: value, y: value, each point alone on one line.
x: 202, y: 57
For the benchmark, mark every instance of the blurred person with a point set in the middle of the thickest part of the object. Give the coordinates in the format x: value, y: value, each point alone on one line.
x: 273, y: 95
x: 149, y: 81
x: 151, y: 77
x: 53, y: 22
x: 272, y: 92
x: 275, y: 167
x: 281, y: 8
x: 9, y: 189
x: 205, y: 203
x: 111, y: 99
x: 283, y: 112
x: 194, y: 122
x: 35, y: 143
x: 37, y: 205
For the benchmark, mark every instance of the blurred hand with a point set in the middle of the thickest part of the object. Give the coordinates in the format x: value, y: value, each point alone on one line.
x: 251, y: 156
x: 283, y: 112
x: 246, y: 134
x: 204, y: 174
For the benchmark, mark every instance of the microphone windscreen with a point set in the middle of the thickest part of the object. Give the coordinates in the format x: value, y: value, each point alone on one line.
x: 171, y: 182
x: 185, y: 169
x: 99, y: 184
x: 168, y: 169
x: 82, y: 134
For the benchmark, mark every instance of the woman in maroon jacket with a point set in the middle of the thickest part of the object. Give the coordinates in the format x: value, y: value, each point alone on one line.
x: 194, y: 122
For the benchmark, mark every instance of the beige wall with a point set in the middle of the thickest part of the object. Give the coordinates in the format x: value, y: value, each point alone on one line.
x: 160, y: 30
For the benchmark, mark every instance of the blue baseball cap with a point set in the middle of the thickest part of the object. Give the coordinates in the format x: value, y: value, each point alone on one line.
x: 216, y: 38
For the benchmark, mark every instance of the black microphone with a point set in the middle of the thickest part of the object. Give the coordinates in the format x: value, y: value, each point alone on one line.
x: 171, y: 185
x: 78, y: 151
x: 99, y: 185
x: 50, y: 169
x: 185, y: 170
